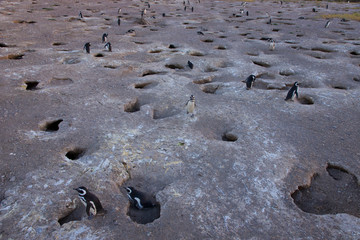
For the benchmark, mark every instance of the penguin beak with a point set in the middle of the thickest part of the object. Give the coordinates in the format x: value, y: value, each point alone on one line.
x: 75, y: 189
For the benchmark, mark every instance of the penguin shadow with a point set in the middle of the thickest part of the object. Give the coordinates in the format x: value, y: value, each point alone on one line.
x: 336, y: 192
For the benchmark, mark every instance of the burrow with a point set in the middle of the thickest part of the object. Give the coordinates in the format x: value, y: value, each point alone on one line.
x: 151, y: 72
x: 74, y: 215
x: 204, y: 80
x: 175, y: 66
x: 75, y: 153
x: 146, y: 214
x: 31, y: 85
x: 210, y: 88
x: 144, y: 85
x: 306, y: 100
x: 50, y: 126
x: 229, y: 137
x: 133, y: 105
x: 336, y: 191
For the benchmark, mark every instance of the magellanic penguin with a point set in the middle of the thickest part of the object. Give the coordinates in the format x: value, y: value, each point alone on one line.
x: 108, y: 46
x: 327, y: 24
x: 190, y: 64
x: 139, y: 199
x: 91, y: 202
x: 119, y: 21
x: 87, y: 47
x: 104, y: 37
x: 271, y: 44
x: 292, y: 92
x: 190, y: 105
x: 250, y: 81
x: 80, y: 15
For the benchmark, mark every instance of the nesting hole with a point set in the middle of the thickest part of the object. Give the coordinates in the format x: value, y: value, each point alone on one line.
x: 142, y: 85
x: 321, y: 49
x: 210, y: 69
x: 340, y: 87
x: 203, y: 80
x: 145, y: 215
x: 306, y: 100
x: 15, y: 56
x: 356, y: 53
x: 336, y: 192
x: 75, y: 153
x: 229, y: 137
x: 261, y: 63
x: 208, y: 40
x: 31, y: 85
x: 221, y: 47
x: 51, y: 126
x: 58, y: 44
x: 74, y: 215
x: 132, y: 106
x: 151, y: 72
x: 174, y: 66
x: 99, y: 55
x: 196, y: 54
x: 155, y: 51
x: 111, y: 66
x: 210, y: 88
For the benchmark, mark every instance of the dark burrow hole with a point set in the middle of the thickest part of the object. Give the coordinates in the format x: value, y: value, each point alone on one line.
x: 142, y: 85
x: 31, y: 85
x: 209, y: 88
x: 151, y: 72
x: 172, y: 46
x: 132, y: 106
x: 261, y: 63
x: 340, y: 87
x: 74, y: 215
x: 145, y: 215
x: 306, y: 100
x: 229, y: 137
x: 15, y: 56
x: 75, y: 153
x: 208, y: 40
x: 336, y: 192
x: 356, y: 53
x: 174, y: 66
x: 51, y: 126
x: 99, y: 55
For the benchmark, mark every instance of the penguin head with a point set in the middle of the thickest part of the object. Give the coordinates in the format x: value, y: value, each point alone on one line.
x: 81, y: 190
x: 192, y: 97
x: 253, y: 77
x: 296, y: 84
x: 129, y: 189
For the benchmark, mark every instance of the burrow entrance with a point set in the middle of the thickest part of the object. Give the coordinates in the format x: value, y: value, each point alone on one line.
x: 336, y: 192
x: 50, y: 126
x: 74, y: 215
x: 31, y: 85
x: 75, y: 153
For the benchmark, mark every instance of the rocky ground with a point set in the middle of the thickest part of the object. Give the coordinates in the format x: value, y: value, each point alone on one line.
x: 248, y: 165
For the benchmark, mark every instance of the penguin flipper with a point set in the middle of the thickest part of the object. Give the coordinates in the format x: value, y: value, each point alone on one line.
x: 297, y: 95
x: 88, y: 205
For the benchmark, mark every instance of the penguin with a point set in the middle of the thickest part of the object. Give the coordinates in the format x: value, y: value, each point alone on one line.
x: 293, y: 90
x: 163, y: 15
x: 91, y: 202
x: 200, y: 33
x: 190, y: 105
x: 108, y: 46
x: 271, y: 45
x: 80, y: 15
x: 104, y: 37
x: 184, y: 3
x: 190, y: 64
x: 314, y: 10
x: 327, y: 6
x: 148, y: 5
x: 250, y: 81
x: 119, y: 10
x: 185, y: 8
x: 192, y: 9
x: 327, y: 24
x: 87, y: 47
x: 139, y: 199
x: 118, y: 21
x: 269, y: 22
x: 247, y: 13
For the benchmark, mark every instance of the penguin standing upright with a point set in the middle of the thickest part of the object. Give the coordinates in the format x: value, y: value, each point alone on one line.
x: 292, y: 92
x: 80, y: 15
x: 91, y: 202
x: 139, y: 199
x: 104, y: 37
x: 87, y: 47
x: 108, y: 46
x: 119, y: 21
x: 250, y: 81
x: 327, y: 24
x: 271, y: 44
x: 190, y: 105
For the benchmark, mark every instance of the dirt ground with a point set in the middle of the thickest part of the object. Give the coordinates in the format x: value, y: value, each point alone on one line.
x: 247, y: 165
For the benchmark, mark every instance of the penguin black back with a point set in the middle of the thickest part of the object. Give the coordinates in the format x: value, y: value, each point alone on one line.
x: 139, y: 199
x: 104, y: 37
x: 190, y: 64
x: 292, y: 92
x: 249, y: 81
x: 87, y: 47
x: 91, y: 202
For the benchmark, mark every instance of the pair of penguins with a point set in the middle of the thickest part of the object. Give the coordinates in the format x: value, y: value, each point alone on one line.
x: 104, y: 39
x: 93, y: 206
x: 290, y: 95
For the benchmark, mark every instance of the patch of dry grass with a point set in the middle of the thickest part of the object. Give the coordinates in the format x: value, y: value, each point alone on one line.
x: 350, y: 16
